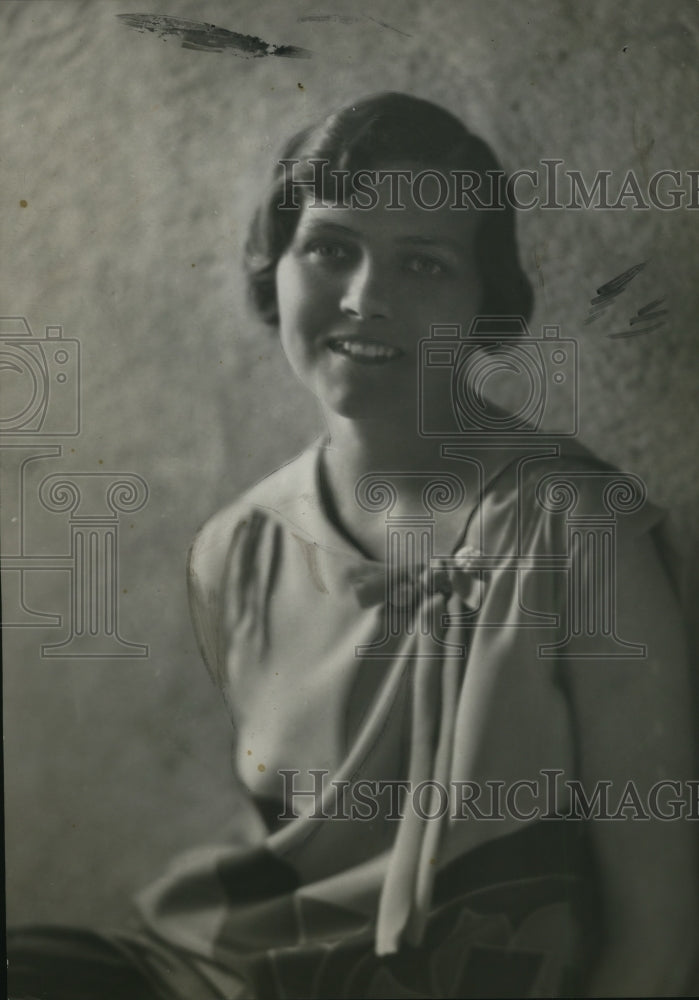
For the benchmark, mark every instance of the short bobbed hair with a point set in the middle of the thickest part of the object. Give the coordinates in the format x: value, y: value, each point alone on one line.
x: 387, y: 128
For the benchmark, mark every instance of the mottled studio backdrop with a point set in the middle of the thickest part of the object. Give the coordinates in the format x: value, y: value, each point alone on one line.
x: 130, y: 165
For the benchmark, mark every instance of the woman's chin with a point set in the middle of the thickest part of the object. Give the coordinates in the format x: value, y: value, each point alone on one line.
x: 371, y: 408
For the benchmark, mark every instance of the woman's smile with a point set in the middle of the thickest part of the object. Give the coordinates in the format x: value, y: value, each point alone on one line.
x: 364, y: 351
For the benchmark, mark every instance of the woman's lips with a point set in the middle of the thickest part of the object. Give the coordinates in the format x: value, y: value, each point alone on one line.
x: 364, y: 350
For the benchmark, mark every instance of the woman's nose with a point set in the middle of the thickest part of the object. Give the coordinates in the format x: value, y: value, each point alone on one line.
x: 366, y: 294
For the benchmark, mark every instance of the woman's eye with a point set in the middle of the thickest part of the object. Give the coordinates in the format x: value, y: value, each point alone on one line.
x: 430, y: 266
x: 329, y: 251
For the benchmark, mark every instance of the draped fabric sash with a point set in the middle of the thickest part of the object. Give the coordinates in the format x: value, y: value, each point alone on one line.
x: 438, y: 662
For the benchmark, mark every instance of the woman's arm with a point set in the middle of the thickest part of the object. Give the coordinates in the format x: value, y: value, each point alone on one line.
x: 206, y: 567
x: 634, y: 720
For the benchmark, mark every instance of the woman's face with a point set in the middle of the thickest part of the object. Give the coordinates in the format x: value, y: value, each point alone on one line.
x: 358, y: 290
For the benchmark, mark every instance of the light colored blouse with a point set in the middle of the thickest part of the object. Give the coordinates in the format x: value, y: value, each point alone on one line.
x: 443, y: 670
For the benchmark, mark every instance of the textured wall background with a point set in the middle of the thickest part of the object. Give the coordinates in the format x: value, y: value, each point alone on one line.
x: 139, y: 162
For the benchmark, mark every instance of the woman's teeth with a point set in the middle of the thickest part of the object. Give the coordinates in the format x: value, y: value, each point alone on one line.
x: 368, y: 351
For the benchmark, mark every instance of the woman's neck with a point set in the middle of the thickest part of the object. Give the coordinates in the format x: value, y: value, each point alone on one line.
x: 357, y: 447
x: 360, y: 447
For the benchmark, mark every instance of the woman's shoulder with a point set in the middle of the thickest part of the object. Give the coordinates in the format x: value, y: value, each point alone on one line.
x: 542, y: 454
x: 275, y: 496
x: 554, y: 481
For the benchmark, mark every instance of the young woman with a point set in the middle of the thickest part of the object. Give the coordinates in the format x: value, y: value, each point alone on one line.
x: 450, y: 655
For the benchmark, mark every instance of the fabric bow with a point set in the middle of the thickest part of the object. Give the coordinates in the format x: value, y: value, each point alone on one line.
x: 374, y: 582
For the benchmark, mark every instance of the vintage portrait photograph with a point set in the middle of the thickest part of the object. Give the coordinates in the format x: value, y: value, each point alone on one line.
x: 349, y: 420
